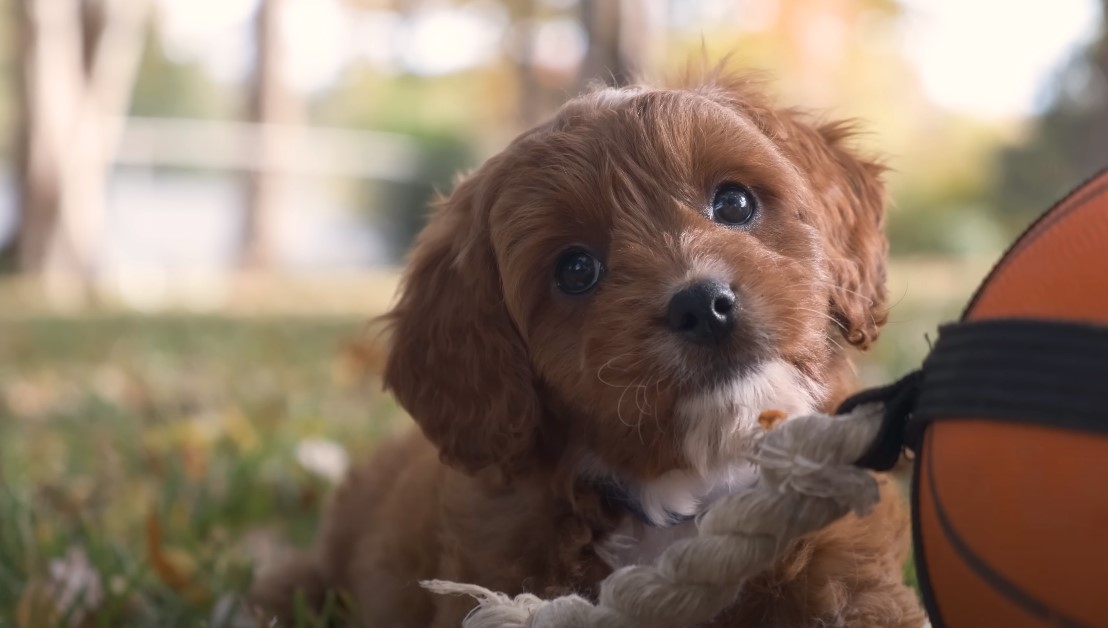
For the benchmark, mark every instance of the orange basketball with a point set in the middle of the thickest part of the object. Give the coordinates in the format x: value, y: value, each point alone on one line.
x: 1011, y: 510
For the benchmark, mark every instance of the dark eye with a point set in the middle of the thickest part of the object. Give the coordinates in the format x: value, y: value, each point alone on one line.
x: 577, y: 271
x: 733, y: 204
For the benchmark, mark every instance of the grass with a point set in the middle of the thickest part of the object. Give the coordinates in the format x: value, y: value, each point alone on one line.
x: 158, y: 458
x: 164, y: 450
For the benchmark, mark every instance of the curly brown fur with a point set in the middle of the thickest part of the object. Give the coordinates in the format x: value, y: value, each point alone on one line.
x: 533, y: 403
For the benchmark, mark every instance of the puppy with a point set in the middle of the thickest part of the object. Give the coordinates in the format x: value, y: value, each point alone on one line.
x: 588, y: 329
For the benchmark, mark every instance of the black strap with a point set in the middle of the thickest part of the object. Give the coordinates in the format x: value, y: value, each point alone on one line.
x: 899, y: 399
x: 1045, y: 372
x: 1035, y: 371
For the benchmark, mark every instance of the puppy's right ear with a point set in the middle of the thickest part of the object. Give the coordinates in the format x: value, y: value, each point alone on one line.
x: 457, y: 363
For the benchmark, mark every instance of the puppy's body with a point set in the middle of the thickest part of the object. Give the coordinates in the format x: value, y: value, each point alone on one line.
x: 588, y: 330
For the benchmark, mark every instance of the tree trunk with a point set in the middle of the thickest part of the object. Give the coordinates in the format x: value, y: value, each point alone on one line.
x: 606, y: 59
x: 271, y: 104
x: 529, y: 91
x: 77, y: 65
x: 49, y: 88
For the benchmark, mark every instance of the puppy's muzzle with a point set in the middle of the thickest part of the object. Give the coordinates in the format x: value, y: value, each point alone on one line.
x: 703, y: 313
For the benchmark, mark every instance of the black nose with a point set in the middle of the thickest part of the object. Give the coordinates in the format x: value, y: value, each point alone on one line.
x: 703, y: 312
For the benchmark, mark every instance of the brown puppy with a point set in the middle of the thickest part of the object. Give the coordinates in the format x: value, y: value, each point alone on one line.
x: 588, y: 330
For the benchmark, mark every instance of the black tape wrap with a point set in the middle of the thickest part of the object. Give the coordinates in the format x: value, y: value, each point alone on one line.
x: 1033, y: 371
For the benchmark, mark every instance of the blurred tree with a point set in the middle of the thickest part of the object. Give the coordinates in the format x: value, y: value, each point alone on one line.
x: 609, y: 57
x: 77, y: 63
x: 442, y: 114
x: 1066, y: 145
x: 7, y: 127
x: 406, y: 203
x: 528, y: 89
x: 272, y: 103
x: 433, y: 113
x: 7, y: 78
x: 176, y: 89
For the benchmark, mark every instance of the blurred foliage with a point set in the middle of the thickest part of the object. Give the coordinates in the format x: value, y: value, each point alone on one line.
x: 169, y: 88
x: 436, y: 115
x: 470, y: 103
x: 405, y: 205
x: 1067, y: 144
x: 952, y: 193
x: 940, y: 195
x: 165, y: 451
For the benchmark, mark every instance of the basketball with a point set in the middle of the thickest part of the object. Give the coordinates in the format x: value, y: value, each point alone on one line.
x: 1011, y: 516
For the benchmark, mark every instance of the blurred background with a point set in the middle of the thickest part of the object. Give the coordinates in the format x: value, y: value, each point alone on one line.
x: 203, y: 201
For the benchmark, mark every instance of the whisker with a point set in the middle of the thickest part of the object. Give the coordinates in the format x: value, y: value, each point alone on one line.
x: 608, y: 364
x: 619, y: 407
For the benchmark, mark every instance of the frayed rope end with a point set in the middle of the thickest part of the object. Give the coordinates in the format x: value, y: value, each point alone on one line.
x: 493, y: 610
x: 446, y: 587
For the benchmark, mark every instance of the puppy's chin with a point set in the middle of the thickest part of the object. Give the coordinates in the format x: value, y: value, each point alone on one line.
x: 720, y: 423
x: 721, y: 420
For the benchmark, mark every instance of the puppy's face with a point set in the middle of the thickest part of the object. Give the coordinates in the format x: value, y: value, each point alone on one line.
x: 655, y: 257
x: 636, y: 281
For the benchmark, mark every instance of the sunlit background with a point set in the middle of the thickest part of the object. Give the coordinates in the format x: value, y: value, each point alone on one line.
x: 201, y: 202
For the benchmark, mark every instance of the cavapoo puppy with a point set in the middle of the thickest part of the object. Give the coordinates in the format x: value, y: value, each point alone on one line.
x: 587, y: 332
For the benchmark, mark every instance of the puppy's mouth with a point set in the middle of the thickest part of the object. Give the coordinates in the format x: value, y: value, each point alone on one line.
x: 719, y: 426
x: 720, y: 420
x: 742, y: 354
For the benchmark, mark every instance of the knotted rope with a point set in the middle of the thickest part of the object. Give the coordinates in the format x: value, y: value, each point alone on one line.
x: 806, y: 481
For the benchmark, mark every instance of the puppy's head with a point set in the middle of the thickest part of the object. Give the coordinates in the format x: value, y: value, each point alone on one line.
x: 637, y: 279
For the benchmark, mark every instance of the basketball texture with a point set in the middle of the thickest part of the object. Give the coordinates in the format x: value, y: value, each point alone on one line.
x: 1011, y: 517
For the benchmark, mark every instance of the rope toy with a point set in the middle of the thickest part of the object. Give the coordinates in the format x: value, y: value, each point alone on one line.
x: 807, y: 480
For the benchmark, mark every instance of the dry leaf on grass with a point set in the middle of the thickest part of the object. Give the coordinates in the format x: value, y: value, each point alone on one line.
x: 175, y: 568
x: 69, y: 595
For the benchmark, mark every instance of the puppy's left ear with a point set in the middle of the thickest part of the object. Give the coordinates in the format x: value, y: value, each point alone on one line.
x: 849, y: 213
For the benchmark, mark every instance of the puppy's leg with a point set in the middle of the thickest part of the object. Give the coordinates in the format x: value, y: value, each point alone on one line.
x: 377, y: 542
x: 381, y: 536
x: 274, y: 594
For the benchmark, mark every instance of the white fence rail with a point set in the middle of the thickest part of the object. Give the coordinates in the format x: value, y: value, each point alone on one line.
x: 293, y: 150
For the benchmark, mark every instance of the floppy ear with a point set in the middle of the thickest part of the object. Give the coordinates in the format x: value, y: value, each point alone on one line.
x: 457, y: 363
x: 849, y: 213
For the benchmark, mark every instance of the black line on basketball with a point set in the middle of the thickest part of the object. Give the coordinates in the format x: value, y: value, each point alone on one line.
x: 998, y: 582
x: 923, y: 577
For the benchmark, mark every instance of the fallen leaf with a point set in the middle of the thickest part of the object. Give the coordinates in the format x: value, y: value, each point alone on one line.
x: 69, y: 596
x: 359, y: 358
x: 175, y: 568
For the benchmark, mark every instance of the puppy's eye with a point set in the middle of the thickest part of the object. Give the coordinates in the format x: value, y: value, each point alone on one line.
x: 577, y: 271
x: 733, y: 204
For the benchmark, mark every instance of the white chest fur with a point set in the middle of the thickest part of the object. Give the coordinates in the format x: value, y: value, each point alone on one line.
x: 635, y: 542
x: 719, y: 426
